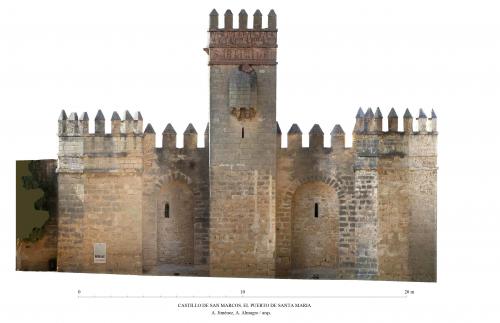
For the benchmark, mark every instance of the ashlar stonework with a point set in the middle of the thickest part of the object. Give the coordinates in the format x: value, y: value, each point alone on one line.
x: 244, y: 205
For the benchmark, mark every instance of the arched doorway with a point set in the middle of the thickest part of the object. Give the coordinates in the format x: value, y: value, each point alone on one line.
x: 175, y: 214
x: 315, y: 231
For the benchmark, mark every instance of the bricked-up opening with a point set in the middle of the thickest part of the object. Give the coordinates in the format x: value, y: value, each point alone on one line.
x: 175, y: 235
x: 242, y: 132
x: 316, y: 210
x: 167, y: 210
x: 314, y: 241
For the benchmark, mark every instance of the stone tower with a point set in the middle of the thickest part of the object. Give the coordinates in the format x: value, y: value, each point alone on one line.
x: 243, y: 132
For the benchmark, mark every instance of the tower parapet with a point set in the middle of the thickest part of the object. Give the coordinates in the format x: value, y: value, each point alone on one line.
x: 102, y: 152
x: 127, y: 125
x: 62, y: 123
x: 100, y: 123
x: 422, y: 122
x: 72, y: 128
x: 408, y: 122
x: 241, y: 45
x: 116, y: 122
x: 378, y: 120
x: 433, y: 120
x: 84, y: 123
x: 360, y: 121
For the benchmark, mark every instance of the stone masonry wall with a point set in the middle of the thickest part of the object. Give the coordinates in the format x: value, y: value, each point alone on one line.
x: 100, y: 195
x: 242, y: 178
x: 169, y: 169
x: 393, y: 216
x: 113, y: 216
x: 315, y: 167
x: 70, y: 222
x: 176, y: 232
x: 315, y: 228
x: 422, y: 182
x: 366, y: 194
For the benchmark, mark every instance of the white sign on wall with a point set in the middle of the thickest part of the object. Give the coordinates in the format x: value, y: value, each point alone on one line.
x: 99, y: 253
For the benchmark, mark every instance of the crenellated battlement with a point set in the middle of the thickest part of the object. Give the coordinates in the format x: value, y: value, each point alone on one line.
x: 242, y: 21
x: 241, y: 45
x: 73, y: 126
x: 316, y: 138
x: 190, y: 138
x: 371, y: 123
x: 369, y: 138
x: 82, y: 151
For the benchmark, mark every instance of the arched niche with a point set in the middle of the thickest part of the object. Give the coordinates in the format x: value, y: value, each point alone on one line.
x: 315, y: 228
x: 175, y: 215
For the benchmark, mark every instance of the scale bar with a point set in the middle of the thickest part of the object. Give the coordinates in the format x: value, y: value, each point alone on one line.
x: 240, y: 297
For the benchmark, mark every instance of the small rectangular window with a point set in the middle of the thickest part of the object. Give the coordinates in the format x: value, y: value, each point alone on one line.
x: 242, y: 132
x: 167, y: 210
x: 316, y: 210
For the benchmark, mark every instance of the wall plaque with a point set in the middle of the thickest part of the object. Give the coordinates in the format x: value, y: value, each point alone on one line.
x: 99, y: 253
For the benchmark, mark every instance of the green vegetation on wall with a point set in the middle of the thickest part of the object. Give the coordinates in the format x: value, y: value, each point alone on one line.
x: 31, y: 204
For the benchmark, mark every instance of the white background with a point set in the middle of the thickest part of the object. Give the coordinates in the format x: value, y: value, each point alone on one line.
x: 334, y: 57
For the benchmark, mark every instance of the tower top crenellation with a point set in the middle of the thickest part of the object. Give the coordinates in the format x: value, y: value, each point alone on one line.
x: 242, y: 21
x: 242, y: 45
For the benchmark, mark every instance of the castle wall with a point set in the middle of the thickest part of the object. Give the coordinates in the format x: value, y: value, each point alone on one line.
x: 315, y: 168
x: 179, y: 176
x: 100, y: 196
x: 70, y: 223
x: 393, y: 206
x: 366, y: 194
x: 185, y: 172
x: 113, y: 216
x: 243, y: 206
x: 398, y: 184
x: 175, y: 212
x: 422, y: 182
x: 150, y: 204
x: 315, y: 228
x: 394, y: 216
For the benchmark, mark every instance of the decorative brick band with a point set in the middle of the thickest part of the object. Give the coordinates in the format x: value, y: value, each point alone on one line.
x: 229, y: 47
x: 243, y: 39
x: 239, y: 56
